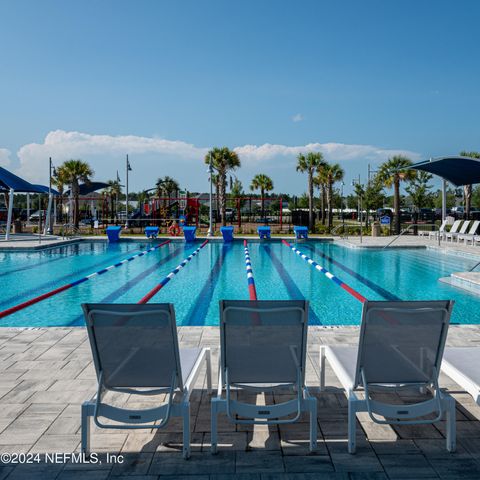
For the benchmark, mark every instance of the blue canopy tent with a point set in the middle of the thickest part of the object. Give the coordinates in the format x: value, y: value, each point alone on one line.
x: 457, y: 170
x: 11, y: 183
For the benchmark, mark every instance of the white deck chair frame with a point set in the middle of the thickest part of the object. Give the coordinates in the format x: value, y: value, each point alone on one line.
x: 454, y: 232
x: 435, y: 233
x: 466, y: 237
x: 273, y: 414
x: 177, y: 392
x: 459, y: 372
x: 405, y: 414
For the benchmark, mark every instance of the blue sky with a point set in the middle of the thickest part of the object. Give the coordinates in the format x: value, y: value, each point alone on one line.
x: 163, y: 81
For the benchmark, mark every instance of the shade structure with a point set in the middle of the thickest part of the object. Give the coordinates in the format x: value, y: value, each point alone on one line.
x: 10, y: 181
x: 456, y: 170
x: 86, y: 188
x: 45, y: 189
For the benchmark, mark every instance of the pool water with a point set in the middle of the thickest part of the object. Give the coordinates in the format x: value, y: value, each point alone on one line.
x: 218, y: 272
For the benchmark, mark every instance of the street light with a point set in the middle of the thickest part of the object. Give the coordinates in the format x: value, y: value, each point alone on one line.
x: 357, y: 182
x: 210, y: 217
x: 341, y: 207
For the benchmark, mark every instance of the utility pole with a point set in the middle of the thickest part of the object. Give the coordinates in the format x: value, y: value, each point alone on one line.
x: 127, y: 169
x: 210, y: 216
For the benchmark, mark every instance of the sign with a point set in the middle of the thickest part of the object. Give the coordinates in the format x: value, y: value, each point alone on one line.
x: 385, y: 220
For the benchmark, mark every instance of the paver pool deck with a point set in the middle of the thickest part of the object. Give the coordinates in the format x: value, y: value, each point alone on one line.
x: 47, y: 373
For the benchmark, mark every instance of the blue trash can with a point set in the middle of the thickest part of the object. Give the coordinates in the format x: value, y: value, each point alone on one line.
x: 301, y: 233
x: 151, y: 232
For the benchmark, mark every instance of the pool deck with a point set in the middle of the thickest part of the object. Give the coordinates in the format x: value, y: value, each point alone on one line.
x: 47, y: 373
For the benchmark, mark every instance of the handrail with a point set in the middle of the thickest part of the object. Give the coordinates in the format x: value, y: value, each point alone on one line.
x: 405, y: 230
x: 346, y: 226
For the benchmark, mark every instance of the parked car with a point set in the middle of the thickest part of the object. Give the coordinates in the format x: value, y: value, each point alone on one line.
x: 35, y: 216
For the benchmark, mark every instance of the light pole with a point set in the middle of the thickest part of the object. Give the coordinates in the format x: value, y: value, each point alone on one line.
x: 357, y: 182
x: 210, y: 217
x: 341, y: 207
x: 128, y: 168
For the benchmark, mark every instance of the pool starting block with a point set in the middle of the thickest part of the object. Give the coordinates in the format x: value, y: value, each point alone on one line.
x: 151, y: 232
x: 189, y: 233
x: 227, y: 234
x: 113, y: 233
x: 301, y: 233
x: 263, y: 233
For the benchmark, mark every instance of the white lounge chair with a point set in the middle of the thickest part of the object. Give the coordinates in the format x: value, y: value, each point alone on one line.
x: 435, y: 233
x: 263, y: 349
x: 454, y: 231
x: 461, y: 364
x: 466, y: 237
x: 135, y: 351
x: 400, y: 346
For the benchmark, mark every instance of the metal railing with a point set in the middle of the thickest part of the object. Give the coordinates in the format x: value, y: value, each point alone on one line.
x: 345, y: 227
x: 69, y: 230
x: 405, y: 230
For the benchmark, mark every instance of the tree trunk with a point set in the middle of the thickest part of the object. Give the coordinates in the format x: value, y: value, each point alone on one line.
x: 329, y: 204
x: 262, y: 193
x: 310, y: 200
x: 223, y: 194
x: 76, y: 217
x: 396, y: 204
x: 324, y: 204
x: 467, y: 193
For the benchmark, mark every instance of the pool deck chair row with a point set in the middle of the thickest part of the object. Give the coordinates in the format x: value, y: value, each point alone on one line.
x: 263, y: 348
x: 135, y: 352
x: 401, y: 346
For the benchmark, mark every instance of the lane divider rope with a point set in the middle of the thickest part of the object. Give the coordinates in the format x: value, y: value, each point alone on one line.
x: 51, y: 293
x: 156, y: 289
x: 329, y: 275
x: 250, y: 280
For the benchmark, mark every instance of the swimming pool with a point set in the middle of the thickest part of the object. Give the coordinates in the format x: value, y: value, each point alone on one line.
x: 218, y: 272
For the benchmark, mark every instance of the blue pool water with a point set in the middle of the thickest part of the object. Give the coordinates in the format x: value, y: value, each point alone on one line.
x: 218, y: 272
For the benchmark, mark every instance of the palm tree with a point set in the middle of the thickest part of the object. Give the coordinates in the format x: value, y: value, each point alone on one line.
x: 467, y: 189
x: 59, y: 182
x: 113, y: 191
x: 391, y: 173
x: 333, y: 173
x: 263, y: 183
x: 166, y: 186
x: 309, y: 163
x: 320, y: 180
x: 418, y: 190
x: 223, y: 161
x: 73, y: 172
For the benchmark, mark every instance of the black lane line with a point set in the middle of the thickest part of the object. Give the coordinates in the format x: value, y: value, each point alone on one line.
x: 293, y: 291
x: 372, y: 285
x: 111, y: 297
x: 198, y: 311
x: 58, y: 281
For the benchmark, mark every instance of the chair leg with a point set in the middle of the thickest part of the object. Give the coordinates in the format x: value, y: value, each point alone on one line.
x: 451, y: 424
x: 312, y: 407
x: 214, y: 415
x: 208, y: 358
x: 322, y: 368
x: 86, y: 414
x: 186, y: 429
x: 352, y: 424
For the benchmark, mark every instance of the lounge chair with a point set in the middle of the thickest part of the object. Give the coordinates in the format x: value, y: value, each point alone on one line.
x: 263, y: 349
x: 435, y: 233
x: 135, y: 351
x: 454, y: 231
x: 461, y: 365
x: 466, y: 237
x: 400, y: 346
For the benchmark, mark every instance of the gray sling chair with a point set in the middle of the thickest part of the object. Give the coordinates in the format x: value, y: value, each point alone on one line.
x: 135, y: 351
x: 263, y: 349
x: 400, y: 346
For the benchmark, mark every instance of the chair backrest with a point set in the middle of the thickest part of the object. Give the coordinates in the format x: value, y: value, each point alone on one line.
x: 455, y: 226
x: 134, y: 345
x: 402, y: 342
x: 474, y: 227
x: 443, y: 225
x: 464, y: 227
x: 263, y: 341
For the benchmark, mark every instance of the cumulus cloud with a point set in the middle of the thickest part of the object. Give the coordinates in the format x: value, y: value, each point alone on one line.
x: 153, y: 157
x: 4, y: 157
x: 297, y: 118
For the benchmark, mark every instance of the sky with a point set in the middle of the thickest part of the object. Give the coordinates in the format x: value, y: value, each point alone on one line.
x: 164, y: 81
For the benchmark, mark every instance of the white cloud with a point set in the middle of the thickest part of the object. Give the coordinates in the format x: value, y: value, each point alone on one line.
x: 154, y: 157
x: 4, y: 157
x: 297, y: 117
